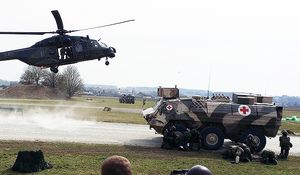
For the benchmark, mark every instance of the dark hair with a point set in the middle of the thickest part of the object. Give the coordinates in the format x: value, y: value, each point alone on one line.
x: 116, y: 165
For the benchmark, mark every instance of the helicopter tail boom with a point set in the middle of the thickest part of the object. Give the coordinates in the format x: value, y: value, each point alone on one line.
x: 4, y: 56
x: 19, y: 54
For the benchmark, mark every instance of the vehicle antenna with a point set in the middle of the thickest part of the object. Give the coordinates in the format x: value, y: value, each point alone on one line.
x: 209, y: 76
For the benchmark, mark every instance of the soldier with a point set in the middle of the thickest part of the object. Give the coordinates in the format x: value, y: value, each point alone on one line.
x: 178, y: 138
x: 285, y: 145
x: 238, y: 153
x: 195, y: 139
x: 250, y: 142
x: 268, y: 157
x: 68, y: 52
x: 62, y: 53
x: 234, y: 152
x: 223, y: 96
x: 144, y: 101
x: 169, y: 138
x: 213, y: 97
x: 184, y: 140
x: 247, y: 156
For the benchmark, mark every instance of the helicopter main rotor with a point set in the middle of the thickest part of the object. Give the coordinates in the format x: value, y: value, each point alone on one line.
x: 60, y: 27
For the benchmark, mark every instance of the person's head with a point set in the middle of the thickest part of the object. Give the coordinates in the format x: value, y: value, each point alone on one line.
x: 250, y: 137
x: 199, y: 170
x: 116, y: 165
x: 284, y: 132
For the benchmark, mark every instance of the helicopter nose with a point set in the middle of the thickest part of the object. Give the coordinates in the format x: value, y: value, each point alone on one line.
x: 112, y: 52
x: 113, y: 49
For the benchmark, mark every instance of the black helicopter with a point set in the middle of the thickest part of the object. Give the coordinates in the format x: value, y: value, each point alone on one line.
x: 61, y: 49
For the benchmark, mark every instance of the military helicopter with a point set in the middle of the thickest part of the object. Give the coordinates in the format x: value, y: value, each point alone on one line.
x: 61, y: 49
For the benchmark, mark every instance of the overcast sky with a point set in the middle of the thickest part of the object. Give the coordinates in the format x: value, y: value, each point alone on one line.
x: 245, y: 46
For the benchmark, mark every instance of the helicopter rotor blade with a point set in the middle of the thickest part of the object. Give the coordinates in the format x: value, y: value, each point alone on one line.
x: 26, y: 33
x: 59, y: 23
x: 101, y: 26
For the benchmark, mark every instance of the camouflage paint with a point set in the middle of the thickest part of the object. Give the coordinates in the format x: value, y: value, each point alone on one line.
x: 224, y: 115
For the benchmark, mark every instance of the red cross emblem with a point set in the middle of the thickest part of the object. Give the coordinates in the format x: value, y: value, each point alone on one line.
x: 244, y: 110
x: 169, y: 107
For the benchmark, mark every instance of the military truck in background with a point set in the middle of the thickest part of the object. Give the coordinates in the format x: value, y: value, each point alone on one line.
x: 218, y: 118
x: 127, y: 98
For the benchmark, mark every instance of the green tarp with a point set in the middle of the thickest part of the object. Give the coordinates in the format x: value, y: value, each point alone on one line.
x: 291, y: 119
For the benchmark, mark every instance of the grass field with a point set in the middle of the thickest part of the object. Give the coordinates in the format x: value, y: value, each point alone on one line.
x: 294, y: 126
x: 86, y: 108
x: 92, y: 101
x: 85, y: 159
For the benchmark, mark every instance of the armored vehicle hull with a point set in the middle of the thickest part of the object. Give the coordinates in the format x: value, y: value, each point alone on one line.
x: 216, y: 120
x: 130, y: 99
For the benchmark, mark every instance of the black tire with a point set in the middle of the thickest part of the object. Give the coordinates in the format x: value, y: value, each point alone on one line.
x: 212, y: 138
x: 258, y: 134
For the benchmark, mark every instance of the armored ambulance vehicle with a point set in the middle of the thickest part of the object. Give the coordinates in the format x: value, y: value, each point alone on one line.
x: 217, y: 118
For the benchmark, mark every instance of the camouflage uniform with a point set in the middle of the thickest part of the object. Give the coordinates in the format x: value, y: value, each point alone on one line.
x: 195, y: 139
x: 169, y: 138
x: 182, y: 138
x: 250, y: 142
x: 238, y: 153
x: 247, y: 156
x: 268, y: 157
x: 285, y: 145
x: 186, y: 143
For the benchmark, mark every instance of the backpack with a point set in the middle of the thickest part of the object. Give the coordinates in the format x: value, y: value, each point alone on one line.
x: 285, y: 142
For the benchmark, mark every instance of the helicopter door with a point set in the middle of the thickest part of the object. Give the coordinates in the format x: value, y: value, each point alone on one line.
x: 65, y: 53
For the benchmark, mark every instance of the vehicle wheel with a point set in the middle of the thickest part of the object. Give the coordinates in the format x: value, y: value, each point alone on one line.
x: 212, y: 138
x: 259, y: 138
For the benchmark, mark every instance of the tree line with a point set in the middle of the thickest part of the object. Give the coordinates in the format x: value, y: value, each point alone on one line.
x: 69, y: 81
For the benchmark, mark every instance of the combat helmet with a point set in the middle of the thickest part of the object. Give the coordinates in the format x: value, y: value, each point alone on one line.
x: 199, y: 170
x: 250, y: 137
x: 284, y: 132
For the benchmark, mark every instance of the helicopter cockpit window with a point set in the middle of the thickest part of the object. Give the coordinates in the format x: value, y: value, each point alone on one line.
x: 102, y: 44
x: 95, y: 44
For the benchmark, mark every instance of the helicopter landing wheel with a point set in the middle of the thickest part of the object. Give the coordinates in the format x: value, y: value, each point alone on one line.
x: 54, y: 69
x: 106, y: 63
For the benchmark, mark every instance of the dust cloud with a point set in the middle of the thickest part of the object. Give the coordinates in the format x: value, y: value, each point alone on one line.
x: 59, y: 120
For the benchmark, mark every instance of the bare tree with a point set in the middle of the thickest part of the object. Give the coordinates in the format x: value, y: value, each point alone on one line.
x: 51, y: 79
x: 71, y: 81
x: 32, y: 75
